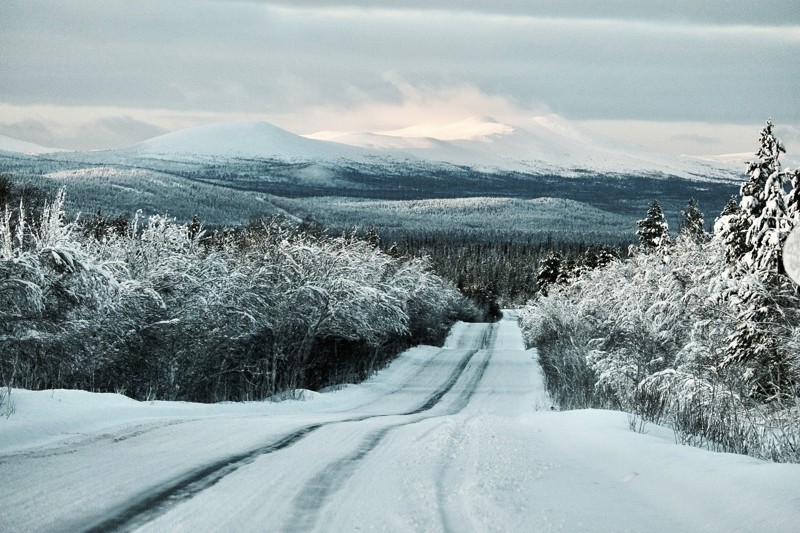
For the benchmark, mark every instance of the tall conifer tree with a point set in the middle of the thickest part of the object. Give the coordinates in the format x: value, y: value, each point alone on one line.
x: 653, y: 230
x: 693, y: 221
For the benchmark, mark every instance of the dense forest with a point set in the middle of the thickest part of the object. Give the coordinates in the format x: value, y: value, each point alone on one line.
x: 699, y: 331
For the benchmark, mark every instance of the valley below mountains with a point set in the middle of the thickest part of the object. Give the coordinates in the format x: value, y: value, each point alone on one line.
x: 506, y: 177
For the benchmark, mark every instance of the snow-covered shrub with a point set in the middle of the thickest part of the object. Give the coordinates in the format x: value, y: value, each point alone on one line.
x: 161, y: 309
x: 564, y: 339
x: 52, y: 291
x: 702, y: 335
x: 693, y: 223
x: 649, y: 335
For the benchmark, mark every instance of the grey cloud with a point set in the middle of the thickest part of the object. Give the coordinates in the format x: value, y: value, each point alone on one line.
x: 790, y: 135
x: 228, y: 56
x: 763, y: 12
x: 124, y: 130
x: 33, y: 131
x: 110, y: 132
x: 696, y: 139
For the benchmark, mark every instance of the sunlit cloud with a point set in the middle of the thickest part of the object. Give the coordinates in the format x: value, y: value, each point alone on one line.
x: 413, y: 105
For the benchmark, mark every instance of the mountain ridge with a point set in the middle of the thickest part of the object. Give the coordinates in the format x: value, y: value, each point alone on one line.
x: 541, y: 145
x: 239, y: 139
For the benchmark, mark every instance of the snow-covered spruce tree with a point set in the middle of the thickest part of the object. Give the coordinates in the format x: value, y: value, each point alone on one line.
x: 653, y: 230
x: 571, y: 270
x: 692, y: 224
x: 793, y: 197
x: 730, y: 228
x: 606, y: 256
x: 754, y: 240
x: 549, y: 271
x: 769, y: 229
x: 597, y: 257
x: 754, y: 234
x: 372, y: 237
x: 731, y: 208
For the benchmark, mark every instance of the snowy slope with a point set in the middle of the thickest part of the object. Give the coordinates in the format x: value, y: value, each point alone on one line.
x: 7, y: 144
x: 739, y: 160
x: 453, y: 439
x: 384, y: 142
x: 245, y: 139
x: 546, y: 143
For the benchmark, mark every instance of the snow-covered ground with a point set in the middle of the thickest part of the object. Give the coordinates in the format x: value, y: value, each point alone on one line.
x: 460, y: 438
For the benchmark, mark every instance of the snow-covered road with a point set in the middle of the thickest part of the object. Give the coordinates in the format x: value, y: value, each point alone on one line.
x: 454, y: 439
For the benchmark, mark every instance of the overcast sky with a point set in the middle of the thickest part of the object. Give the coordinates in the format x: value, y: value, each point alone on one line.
x: 697, y: 76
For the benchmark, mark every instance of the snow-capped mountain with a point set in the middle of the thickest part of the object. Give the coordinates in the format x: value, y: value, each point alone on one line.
x: 543, y: 145
x: 7, y: 144
x: 244, y: 140
x: 474, y: 158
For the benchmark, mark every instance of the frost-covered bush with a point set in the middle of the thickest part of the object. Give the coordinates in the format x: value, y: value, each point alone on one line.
x: 564, y: 339
x: 653, y: 331
x: 52, y: 293
x: 650, y: 335
x: 701, y: 334
x: 160, y: 309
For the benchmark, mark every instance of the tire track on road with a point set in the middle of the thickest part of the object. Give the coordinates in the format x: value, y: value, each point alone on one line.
x: 161, y: 499
x: 309, y: 501
x: 158, y: 502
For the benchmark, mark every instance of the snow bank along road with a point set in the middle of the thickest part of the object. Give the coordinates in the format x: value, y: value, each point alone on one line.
x: 453, y: 439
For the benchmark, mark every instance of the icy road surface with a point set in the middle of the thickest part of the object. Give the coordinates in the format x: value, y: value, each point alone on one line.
x: 458, y: 439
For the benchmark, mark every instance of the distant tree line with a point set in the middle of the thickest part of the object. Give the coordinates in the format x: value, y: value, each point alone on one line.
x: 501, y: 273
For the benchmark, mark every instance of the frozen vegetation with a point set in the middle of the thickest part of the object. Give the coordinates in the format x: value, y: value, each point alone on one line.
x: 154, y: 308
x: 482, y: 218
x: 700, y: 334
